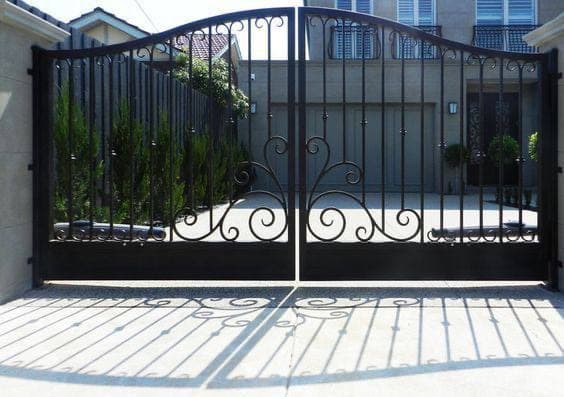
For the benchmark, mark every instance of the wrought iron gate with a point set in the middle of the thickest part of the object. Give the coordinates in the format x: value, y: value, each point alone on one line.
x: 147, y: 169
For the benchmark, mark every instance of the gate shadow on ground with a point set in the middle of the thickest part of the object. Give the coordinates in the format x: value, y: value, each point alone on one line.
x: 273, y: 337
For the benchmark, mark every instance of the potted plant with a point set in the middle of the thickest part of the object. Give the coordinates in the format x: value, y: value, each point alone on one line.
x: 456, y: 155
x: 503, y: 149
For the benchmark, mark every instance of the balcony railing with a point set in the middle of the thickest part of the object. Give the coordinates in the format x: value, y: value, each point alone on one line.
x: 503, y: 37
x: 347, y: 40
x: 410, y: 48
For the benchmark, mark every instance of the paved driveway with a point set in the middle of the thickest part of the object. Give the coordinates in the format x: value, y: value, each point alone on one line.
x: 136, y: 339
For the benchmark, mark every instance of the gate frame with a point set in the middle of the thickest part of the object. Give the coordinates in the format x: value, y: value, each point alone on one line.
x: 276, y: 261
x: 324, y: 261
x: 75, y: 260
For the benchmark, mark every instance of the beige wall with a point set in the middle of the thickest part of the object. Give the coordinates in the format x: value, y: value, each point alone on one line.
x: 107, y: 34
x: 15, y: 155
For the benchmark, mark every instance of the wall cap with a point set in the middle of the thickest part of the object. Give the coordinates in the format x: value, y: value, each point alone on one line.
x: 17, y: 17
x: 550, y: 31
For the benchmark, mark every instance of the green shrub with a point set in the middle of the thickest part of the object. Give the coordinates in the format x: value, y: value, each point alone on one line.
x: 219, y: 82
x: 82, y: 159
x: 163, y: 165
x: 453, y: 153
x: 130, y: 166
x: 507, y: 150
x: 534, y: 146
x: 222, y: 152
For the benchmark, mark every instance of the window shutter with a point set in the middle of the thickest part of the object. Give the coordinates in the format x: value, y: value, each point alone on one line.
x: 521, y: 12
x: 489, y: 12
x: 344, y: 4
x: 406, y: 12
x: 363, y: 6
x: 426, y: 15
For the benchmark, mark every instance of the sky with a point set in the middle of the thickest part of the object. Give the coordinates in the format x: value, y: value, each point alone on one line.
x: 158, y: 15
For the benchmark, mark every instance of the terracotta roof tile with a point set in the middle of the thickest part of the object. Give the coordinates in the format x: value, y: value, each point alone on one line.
x: 200, y: 43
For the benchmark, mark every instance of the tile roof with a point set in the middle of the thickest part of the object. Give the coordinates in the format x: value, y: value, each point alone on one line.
x: 38, y: 13
x: 200, y: 44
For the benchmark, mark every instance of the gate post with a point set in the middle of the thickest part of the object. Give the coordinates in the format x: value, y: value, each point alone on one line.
x: 548, y: 186
x: 42, y: 163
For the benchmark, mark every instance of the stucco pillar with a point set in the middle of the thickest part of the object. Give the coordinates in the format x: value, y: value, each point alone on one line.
x: 547, y: 37
x: 19, y: 30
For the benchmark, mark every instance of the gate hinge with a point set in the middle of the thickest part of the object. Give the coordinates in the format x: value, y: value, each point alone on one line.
x: 30, y: 167
x: 559, y: 169
x: 559, y: 264
x: 30, y: 71
x: 30, y: 260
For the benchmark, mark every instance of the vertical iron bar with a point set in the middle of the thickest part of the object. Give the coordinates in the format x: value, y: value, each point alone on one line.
x: 344, y: 88
x: 403, y: 131
x: 230, y: 121
x: 151, y: 138
x: 325, y: 115
x: 482, y: 149
x: 442, y: 144
x: 363, y: 123
x: 170, y: 139
x: 383, y: 126
x: 269, y: 80
x: 501, y: 135
x: 250, y: 92
x: 461, y: 152
x: 103, y: 141
x: 191, y: 122
x: 91, y: 159
x: 291, y: 220
x: 520, y: 159
x: 302, y: 171
x: 422, y: 146
x: 111, y: 144
x: 130, y: 76
x: 70, y: 153
x: 211, y: 126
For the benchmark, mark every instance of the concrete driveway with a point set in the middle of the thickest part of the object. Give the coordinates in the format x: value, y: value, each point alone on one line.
x: 173, y: 338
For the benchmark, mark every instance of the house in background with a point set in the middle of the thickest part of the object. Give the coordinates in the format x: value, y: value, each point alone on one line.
x: 107, y: 28
x: 496, y: 24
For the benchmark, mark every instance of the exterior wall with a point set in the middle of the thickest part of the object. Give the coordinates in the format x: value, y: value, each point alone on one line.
x: 16, y: 153
x: 548, y: 37
x: 107, y: 34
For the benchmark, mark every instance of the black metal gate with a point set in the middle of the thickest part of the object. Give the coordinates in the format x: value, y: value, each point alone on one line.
x: 160, y: 159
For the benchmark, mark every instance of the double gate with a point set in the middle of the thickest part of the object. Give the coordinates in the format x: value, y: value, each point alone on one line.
x: 343, y: 149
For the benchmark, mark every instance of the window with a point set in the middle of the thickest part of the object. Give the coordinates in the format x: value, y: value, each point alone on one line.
x: 416, y: 12
x: 420, y: 13
x: 506, y: 12
x: 501, y: 24
x: 347, y: 36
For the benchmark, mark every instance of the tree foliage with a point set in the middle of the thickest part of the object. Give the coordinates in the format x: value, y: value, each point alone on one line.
x: 221, y: 91
x: 81, y: 157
